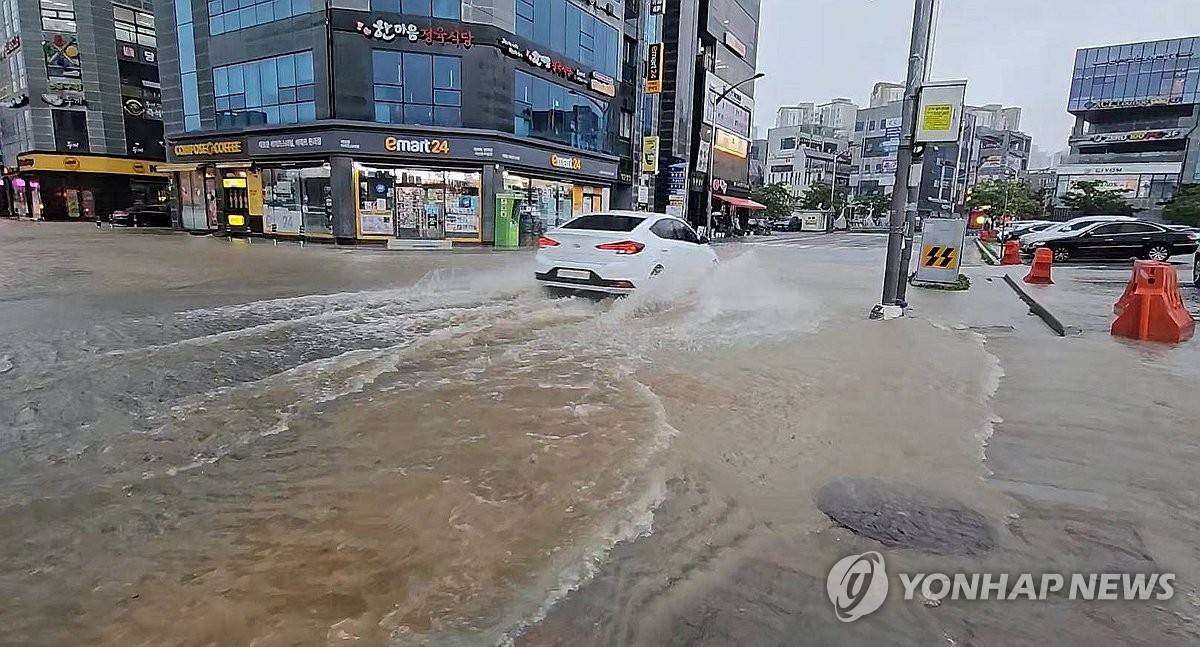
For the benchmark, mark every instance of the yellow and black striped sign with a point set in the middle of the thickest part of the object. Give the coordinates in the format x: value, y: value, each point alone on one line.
x: 940, y: 257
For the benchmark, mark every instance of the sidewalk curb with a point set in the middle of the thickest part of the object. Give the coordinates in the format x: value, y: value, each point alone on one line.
x: 1037, y: 308
x: 989, y: 256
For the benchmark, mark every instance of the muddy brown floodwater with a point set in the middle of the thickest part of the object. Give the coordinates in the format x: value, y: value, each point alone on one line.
x: 214, y: 444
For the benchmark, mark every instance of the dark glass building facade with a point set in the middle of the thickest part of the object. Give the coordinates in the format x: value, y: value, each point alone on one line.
x: 1137, y: 108
x: 397, y: 120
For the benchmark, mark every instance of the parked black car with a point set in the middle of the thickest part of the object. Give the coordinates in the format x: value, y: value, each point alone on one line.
x: 787, y: 224
x: 1119, y: 240
x: 1196, y: 270
x: 142, y: 215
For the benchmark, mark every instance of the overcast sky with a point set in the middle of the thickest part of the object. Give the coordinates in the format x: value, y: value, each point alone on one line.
x: 1014, y: 52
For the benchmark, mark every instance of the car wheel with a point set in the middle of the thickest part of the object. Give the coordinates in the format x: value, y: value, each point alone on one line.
x: 1196, y: 271
x: 1061, y: 254
x: 1159, y: 253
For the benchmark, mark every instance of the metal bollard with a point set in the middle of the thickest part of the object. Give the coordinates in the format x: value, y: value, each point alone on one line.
x: 275, y: 233
x: 302, y: 234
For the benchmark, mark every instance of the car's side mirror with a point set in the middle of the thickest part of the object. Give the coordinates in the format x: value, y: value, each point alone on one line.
x: 704, y: 240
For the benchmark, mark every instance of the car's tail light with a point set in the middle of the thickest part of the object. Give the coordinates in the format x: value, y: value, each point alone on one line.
x: 624, y: 247
x: 547, y: 242
x: 1193, y: 236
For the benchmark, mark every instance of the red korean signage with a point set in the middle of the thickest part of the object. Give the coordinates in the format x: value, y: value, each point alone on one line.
x: 389, y: 31
x: 538, y: 59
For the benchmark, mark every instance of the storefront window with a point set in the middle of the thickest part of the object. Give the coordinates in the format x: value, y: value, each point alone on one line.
x: 419, y: 204
x: 297, y: 197
x: 545, y: 204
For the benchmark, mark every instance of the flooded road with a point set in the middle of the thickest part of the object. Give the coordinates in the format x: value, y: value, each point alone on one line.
x: 207, y: 443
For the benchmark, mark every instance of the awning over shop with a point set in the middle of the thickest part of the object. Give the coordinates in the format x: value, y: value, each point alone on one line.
x: 741, y: 202
x: 170, y: 168
x: 83, y: 164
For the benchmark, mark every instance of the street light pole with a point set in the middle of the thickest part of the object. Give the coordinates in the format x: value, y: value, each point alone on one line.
x: 890, y: 306
x: 712, y: 146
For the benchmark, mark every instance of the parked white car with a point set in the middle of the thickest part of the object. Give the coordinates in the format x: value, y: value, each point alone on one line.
x: 616, y: 252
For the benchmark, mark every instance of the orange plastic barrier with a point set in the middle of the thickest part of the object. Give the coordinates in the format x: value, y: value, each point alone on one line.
x: 1012, y: 253
x: 1039, y: 273
x: 986, y: 235
x: 1153, y: 310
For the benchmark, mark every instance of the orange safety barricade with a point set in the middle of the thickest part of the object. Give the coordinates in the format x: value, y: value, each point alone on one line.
x: 986, y: 235
x: 1153, y: 310
x: 1012, y: 253
x: 1039, y: 272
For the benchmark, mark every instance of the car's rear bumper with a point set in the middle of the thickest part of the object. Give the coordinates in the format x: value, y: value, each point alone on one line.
x: 594, y: 283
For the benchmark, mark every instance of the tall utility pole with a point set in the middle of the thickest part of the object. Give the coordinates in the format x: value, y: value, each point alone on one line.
x: 918, y: 51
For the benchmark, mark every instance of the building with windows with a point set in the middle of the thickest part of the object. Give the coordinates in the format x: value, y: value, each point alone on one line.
x: 406, y: 122
x: 801, y: 156
x: 885, y: 93
x: 707, y: 51
x: 80, y: 108
x: 1136, y: 116
x: 801, y: 114
x: 839, y: 115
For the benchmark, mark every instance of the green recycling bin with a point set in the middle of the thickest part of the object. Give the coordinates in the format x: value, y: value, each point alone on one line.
x: 508, y: 229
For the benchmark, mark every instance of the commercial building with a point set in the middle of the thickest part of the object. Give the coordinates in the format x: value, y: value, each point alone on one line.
x: 708, y: 50
x: 80, y: 108
x: 876, y: 140
x: 801, y: 156
x: 1136, y: 119
x: 415, y: 123
x: 758, y: 162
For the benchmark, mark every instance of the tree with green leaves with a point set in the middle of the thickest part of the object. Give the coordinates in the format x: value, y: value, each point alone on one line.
x: 1184, y: 207
x: 1007, y: 197
x: 816, y: 197
x: 777, y: 198
x: 1097, y: 198
x: 873, y: 205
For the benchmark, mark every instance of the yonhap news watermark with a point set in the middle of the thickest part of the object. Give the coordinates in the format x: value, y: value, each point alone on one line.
x: 858, y: 586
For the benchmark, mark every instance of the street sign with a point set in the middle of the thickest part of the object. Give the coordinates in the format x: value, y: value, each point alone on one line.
x: 941, y: 250
x: 940, y: 112
x: 654, y: 69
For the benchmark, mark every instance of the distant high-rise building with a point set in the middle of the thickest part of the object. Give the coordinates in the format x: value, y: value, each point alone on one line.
x: 801, y: 114
x: 996, y: 116
x: 839, y: 115
x: 885, y: 93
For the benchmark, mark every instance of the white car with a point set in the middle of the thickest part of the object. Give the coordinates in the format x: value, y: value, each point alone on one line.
x: 616, y: 252
x: 1065, y: 228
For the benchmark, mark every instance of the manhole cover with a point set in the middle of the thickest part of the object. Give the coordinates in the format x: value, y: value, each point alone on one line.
x: 900, y: 515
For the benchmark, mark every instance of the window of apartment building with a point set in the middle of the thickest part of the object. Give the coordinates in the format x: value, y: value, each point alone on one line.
x: 134, y: 26
x: 787, y: 144
x: 232, y: 15
x: 546, y: 110
x: 626, y: 124
x: 58, y: 15
x: 189, y: 87
x: 419, y: 89
x: 12, y: 19
x: 858, y: 126
x: 451, y: 9
x: 276, y: 90
x: 568, y: 29
x: 871, y: 125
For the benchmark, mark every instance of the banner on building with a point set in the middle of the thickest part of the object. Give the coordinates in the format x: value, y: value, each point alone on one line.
x: 62, y: 56
x: 650, y: 154
x: 654, y: 69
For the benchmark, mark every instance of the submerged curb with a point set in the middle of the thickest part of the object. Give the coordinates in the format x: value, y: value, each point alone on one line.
x: 989, y: 256
x: 1037, y: 308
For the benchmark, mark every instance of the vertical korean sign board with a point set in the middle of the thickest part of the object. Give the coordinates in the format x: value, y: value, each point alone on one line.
x: 940, y: 112
x: 654, y: 69
x: 650, y: 154
x: 941, y: 250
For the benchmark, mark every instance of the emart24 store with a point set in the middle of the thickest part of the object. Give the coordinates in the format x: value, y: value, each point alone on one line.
x: 404, y: 187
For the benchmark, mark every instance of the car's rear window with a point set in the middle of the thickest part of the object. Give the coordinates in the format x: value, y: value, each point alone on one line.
x: 605, y: 222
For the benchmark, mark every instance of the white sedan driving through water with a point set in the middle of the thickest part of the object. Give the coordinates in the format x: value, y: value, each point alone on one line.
x: 616, y: 252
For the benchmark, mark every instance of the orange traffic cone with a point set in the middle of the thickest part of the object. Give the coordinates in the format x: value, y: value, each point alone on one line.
x: 1154, y: 310
x: 1012, y: 253
x: 1039, y: 273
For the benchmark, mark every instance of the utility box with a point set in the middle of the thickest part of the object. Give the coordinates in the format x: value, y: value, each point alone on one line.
x: 508, y: 225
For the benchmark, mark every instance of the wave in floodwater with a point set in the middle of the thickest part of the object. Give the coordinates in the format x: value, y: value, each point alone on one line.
x: 438, y: 463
